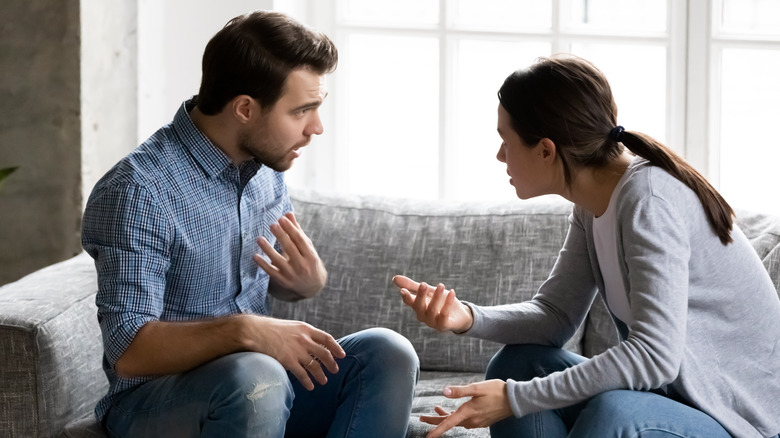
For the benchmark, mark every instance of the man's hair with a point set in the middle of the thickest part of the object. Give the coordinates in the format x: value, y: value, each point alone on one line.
x: 253, y: 55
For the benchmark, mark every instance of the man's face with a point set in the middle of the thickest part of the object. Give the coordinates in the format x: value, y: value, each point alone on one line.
x: 276, y: 136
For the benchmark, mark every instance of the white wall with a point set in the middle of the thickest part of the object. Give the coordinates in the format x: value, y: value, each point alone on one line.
x: 109, y: 108
x: 171, y: 37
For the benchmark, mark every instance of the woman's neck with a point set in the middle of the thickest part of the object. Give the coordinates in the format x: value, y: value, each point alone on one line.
x: 592, y: 188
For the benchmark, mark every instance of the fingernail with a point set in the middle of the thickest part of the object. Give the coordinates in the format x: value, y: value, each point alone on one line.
x: 447, y: 391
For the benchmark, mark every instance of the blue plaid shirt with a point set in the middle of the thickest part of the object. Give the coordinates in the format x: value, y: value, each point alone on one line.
x: 172, y: 228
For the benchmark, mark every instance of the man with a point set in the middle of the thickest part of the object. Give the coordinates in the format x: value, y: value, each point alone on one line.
x: 174, y: 229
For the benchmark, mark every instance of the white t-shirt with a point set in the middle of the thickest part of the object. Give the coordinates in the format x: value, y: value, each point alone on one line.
x: 605, y: 239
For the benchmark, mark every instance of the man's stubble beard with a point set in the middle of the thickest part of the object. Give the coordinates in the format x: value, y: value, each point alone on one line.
x: 250, y: 147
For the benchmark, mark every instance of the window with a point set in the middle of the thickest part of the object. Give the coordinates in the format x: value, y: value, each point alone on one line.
x: 412, y: 105
x: 743, y: 70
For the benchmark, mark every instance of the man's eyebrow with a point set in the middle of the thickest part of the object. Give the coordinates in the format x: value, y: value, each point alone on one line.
x: 313, y: 104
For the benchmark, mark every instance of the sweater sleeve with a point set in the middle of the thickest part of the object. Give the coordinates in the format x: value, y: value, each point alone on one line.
x: 556, y: 311
x: 655, y: 252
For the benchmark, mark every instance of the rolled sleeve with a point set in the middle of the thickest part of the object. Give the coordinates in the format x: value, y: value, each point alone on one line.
x: 127, y: 235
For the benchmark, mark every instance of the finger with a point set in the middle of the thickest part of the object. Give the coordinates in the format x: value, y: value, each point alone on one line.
x: 421, y: 300
x: 327, y: 342
x: 270, y: 269
x: 447, y: 306
x: 325, y: 358
x: 406, y: 282
x: 434, y: 307
x: 407, y: 297
x: 302, y: 375
x: 314, y: 367
x: 289, y: 247
x: 432, y: 420
x: 297, y: 237
x: 291, y: 217
x: 439, y: 410
x: 274, y: 257
x: 448, y: 423
x: 470, y: 390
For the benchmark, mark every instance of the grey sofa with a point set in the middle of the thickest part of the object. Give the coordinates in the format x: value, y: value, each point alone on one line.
x: 491, y: 253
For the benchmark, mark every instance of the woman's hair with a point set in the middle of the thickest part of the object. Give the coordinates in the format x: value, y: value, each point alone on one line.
x: 253, y: 55
x: 569, y: 101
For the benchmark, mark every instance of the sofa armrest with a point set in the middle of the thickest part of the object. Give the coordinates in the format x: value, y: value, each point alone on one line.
x: 50, y: 367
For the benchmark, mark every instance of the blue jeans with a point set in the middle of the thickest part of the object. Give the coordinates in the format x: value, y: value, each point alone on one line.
x: 251, y: 395
x: 620, y: 413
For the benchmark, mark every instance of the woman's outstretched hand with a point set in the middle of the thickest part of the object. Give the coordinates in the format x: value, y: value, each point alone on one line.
x: 489, y: 404
x: 438, y: 307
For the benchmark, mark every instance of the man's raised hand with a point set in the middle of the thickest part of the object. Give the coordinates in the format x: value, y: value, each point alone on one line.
x: 298, y: 268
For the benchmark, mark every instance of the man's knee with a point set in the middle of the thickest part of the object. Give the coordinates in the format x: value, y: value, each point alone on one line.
x: 256, y: 381
x: 390, y: 349
x: 383, y: 354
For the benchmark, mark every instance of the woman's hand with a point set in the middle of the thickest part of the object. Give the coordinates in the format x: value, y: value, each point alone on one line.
x: 438, y: 308
x: 489, y: 404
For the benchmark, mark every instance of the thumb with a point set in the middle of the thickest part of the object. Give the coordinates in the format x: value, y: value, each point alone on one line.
x: 458, y: 391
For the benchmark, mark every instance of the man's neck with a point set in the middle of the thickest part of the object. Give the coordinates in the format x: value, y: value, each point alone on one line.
x: 220, y: 133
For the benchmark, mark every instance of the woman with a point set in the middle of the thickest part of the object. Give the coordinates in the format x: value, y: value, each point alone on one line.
x: 697, y: 312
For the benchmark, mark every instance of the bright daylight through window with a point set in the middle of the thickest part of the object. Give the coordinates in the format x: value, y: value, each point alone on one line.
x: 412, y: 111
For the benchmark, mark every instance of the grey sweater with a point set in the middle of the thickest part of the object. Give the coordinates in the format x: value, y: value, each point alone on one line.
x: 706, y: 316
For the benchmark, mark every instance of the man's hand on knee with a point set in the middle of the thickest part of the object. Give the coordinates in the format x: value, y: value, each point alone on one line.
x: 301, y: 348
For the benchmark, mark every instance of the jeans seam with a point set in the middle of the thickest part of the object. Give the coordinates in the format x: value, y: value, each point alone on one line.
x: 639, y: 433
x: 355, y: 408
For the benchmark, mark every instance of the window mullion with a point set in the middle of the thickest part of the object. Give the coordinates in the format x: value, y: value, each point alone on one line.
x: 699, y: 145
x: 444, y: 98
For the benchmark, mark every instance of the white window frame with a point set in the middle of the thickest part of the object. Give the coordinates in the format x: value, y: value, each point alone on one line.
x: 693, y: 78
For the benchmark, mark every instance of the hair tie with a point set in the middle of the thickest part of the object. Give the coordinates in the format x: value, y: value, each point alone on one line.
x: 616, y: 133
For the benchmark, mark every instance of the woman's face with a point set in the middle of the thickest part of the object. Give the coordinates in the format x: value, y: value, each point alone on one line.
x: 524, y: 164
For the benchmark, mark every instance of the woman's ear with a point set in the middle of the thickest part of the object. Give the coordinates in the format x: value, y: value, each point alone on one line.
x: 546, y: 149
x: 242, y: 108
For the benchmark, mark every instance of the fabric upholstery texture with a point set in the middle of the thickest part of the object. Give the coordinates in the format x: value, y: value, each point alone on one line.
x: 50, y: 367
x: 490, y: 253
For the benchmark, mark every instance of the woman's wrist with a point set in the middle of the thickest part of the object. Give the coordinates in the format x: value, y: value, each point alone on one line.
x: 469, y: 320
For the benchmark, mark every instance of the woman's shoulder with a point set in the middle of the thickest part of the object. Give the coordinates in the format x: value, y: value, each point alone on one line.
x: 648, y: 182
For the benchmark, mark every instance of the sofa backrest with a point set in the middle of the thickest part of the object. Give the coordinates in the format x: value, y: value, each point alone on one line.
x: 763, y: 231
x: 489, y: 252
x: 492, y: 253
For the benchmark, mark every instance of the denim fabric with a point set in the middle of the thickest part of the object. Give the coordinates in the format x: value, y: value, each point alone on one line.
x: 251, y: 395
x: 618, y: 413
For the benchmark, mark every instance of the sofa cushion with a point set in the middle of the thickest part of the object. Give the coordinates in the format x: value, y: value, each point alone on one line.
x: 428, y: 395
x: 490, y: 254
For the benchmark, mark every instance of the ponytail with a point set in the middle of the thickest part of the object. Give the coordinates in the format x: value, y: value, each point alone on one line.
x: 568, y: 100
x: 719, y: 212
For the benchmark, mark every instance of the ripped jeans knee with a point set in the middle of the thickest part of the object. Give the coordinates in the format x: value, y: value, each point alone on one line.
x: 255, y: 390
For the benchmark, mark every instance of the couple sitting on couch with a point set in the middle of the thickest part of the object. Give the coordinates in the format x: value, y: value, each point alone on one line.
x: 175, y: 227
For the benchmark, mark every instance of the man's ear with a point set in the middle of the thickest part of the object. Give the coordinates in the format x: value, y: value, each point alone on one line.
x: 243, y: 107
x: 547, y: 149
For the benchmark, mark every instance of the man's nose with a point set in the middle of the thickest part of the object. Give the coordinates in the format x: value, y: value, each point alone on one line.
x: 315, y: 125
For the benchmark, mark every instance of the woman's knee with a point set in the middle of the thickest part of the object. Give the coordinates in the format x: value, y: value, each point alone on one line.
x: 526, y: 361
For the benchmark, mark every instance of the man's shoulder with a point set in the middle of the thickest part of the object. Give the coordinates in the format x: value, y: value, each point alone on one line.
x: 151, y: 164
